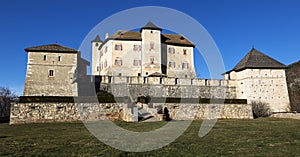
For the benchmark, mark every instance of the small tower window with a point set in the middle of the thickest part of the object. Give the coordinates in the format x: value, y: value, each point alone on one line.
x: 45, y: 57
x: 184, y: 52
x: 152, y: 45
x: 51, y: 73
x: 97, y: 44
x: 152, y: 60
x: 59, y: 58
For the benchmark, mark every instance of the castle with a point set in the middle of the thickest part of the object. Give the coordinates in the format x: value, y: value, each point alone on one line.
x: 128, y: 53
x: 163, y: 64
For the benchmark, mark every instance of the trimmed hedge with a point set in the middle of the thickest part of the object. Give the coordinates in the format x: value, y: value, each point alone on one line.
x: 191, y: 100
x: 111, y: 99
x: 58, y: 99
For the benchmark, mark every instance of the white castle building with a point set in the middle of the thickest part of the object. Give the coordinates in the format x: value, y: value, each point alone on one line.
x: 258, y: 77
x: 162, y: 59
x: 128, y: 53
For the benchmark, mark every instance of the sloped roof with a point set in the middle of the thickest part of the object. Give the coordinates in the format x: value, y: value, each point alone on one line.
x: 171, y: 39
x: 176, y: 39
x: 51, y: 48
x: 150, y: 25
x: 126, y: 35
x: 294, y: 64
x: 97, y: 39
x: 257, y: 60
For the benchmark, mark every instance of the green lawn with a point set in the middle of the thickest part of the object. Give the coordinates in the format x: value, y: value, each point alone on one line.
x: 259, y: 137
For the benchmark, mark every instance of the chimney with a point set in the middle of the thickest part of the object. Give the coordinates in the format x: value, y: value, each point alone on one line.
x: 106, y: 35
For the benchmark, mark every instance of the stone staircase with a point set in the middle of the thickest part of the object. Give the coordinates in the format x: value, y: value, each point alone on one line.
x: 147, y: 114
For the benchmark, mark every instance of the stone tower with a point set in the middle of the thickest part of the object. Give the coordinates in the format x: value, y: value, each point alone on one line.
x: 96, y: 43
x: 151, y: 49
x: 258, y: 77
x: 50, y: 71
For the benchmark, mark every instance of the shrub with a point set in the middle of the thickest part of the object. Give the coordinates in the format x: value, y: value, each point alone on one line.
x: 260, y: 109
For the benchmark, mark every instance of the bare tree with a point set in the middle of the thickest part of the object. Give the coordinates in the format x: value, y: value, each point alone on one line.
x: 6, y: 98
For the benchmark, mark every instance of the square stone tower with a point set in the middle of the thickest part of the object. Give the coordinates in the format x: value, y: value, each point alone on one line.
x: 50, y: 71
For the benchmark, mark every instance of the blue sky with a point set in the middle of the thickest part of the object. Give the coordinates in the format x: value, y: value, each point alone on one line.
x: 235, y: 25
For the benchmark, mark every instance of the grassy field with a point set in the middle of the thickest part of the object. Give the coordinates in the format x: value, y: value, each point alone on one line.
x: 259, y: 137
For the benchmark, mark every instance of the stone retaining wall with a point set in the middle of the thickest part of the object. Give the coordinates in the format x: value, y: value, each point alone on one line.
x: 68, y: 112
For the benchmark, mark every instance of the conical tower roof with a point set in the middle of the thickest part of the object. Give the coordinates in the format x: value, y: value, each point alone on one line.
x: 150, y: 25
x: 97, y: 39
x: 258, y: 60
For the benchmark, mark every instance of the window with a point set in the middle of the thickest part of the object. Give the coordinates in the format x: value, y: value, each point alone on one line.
x: 136, y: 62
x: 105, y: 49
x: 97, y: 44
x: 118, y: 47
x: 118, y: 61
x: 151, y: 60
x: 51, y: 73
x: 185, y: 65
x: 59, y: 58
x: 105, y: 64
x: 172, y: 64
x: 171, y: 50
x: 45, y: 57
x: 136, y: 47
x: 98, y: 68
x: 184, y: 52
x: 151, y: 45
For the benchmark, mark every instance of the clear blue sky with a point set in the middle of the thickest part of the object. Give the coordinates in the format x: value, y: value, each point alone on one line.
x: 235, y: 25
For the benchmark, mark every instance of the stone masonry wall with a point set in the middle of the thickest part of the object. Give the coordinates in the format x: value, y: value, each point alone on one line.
x: 69, y: 112
x: 208, y: 111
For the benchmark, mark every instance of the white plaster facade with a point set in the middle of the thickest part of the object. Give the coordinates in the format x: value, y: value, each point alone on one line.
x: 143, y: 53
x: 262, y: 84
